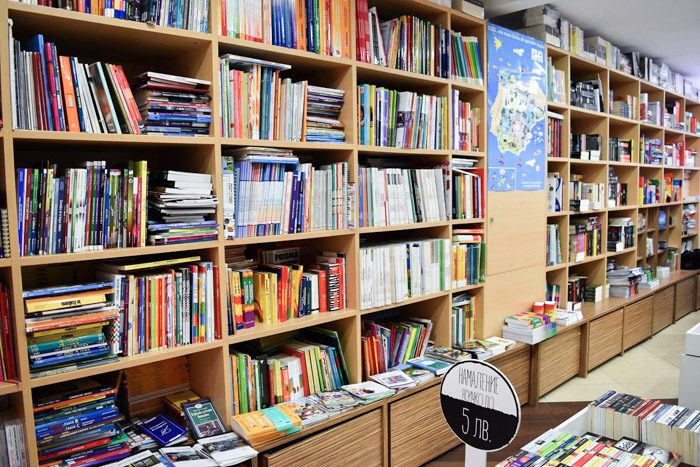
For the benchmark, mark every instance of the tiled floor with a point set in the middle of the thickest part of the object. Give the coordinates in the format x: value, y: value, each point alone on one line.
x: 651, y: 369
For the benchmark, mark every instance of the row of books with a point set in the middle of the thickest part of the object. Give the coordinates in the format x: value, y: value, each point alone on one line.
x: 280, y: 291
x: 651, y: 150
x: 262, y: 377
x: 585, y: 238
x: 650, y: 191
x: 467, y: 124
x: 588, y: 93
x: 586, y: 146
x: 623, y: 106
x: 257, y: 103
x: 413, y: 44
x: 388, y: 344
x: 589, y: 449
x: 401, y: 119
x: 585, y: 196
x: 554, y: 131
x: 395, y: 196
x: 320, y: 26
x: 192, y: 15
x: 392, y: 273
x: 673, y: 188
x: 671, y: 427
x: 468, y: 257
x: 463, y: 318
x: 468, y: 189
x: 620, y: 233
x: 553, y: 254
x: 620, y: 150
x: 617, y: 190
x: 650, y: 112
x: 269, y: 192
x: 555, y: 192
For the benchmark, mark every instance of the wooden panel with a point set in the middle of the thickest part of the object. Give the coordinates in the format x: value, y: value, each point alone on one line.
x: 697, y: 291
x: 508, y: 293
x: 558, y: 360
x: 521, y: 212
x: 516, y: 366
x: 685, y: 297
x: 605, y: 339
x: 357, y: 442
x: 662, y: 313
x: 419, y: 413
x: 637, y: 322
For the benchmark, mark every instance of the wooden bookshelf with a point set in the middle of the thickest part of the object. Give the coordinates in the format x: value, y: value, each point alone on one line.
x: 140, y: 47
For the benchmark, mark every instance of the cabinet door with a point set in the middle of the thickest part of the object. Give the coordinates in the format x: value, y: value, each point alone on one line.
x: 685, y: 297
x: 664, y: 304
x: 357, y: 442
x: 605, y: 339
x: 559, y: 360
x: 637, y: 325
x: 418, y: 431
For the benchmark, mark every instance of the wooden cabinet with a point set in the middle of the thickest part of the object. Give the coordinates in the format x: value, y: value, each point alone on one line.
x: 697, y: 292
x: 558, y: 360
x: 516, y: 366
x: 685, y: 297
x: 605, y: 338
x: 637, y: 322
x: 357, y: 442
x: 418, y: 430
x: 662, y: 309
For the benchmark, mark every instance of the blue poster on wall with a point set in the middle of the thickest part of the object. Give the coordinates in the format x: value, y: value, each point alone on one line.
x: 516, y: 111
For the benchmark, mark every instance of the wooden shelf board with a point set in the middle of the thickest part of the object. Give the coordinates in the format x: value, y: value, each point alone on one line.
x: 689, y: 234
x: 368, y: 73
x: 287, y: 237
x: 622, y: 164
x: 396, y: 228
x: 674, y: 131
x: 115, y: 253
x: 559, y: 213
x: 551, y: 105
x: 588, y: 259
x: 650, y: 126
x: 556, y: 267
x: 127, y: 362
x: 464, y: 86
x: 622, y: 208
x: 421, y: 298
x: 580, y: 112
x: 691, y: 135
x: 466, y: 288
x: 295, y: 57
x: 5, y: 262
x: 650, y: 166
x: 9, y: 387
x: 618, y: 253
x: 263, y: 330
x: 266, y: 143
x: 614, y: 119
x: 389, y: 151
x: 589, y: 212
x: 58, y: 137
x: 587, y: 162
x: 458, y: 222
x: 476, y: 154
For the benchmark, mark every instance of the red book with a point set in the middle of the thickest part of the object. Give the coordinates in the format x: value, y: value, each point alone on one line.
x: 9, y: 345
x: 53, y: 88
x: 302, y: 360
x: 322, y: 288
x: 217, y: 303
x: 147, y: 314
x: 286, y: 393
x: 132, y: 109
x: 39, y: 89
x: 74, y: 449
x: 69, y: 103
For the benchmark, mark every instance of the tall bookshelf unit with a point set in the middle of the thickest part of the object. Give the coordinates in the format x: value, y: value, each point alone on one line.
x: 141, y: 47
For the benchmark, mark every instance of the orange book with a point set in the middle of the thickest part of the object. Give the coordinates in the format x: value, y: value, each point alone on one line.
x: 345, y: 49
x: 69, y: 103
x: 132, y: 109
x: 301, y: 24
x: 57, y: 323
x: 323, y: 23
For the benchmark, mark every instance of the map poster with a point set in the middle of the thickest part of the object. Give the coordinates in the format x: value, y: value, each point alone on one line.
x: 516, y: 111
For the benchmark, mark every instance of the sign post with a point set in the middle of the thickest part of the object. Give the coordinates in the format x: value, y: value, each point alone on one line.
x: 481, y: 407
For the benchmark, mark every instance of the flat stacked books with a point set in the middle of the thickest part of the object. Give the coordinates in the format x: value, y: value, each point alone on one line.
x: 227, y: 449
x: 173, y: 105
x: 323, y: 107
x: 394, y: 379
x: 179, y: 205
x: 433, y: 365
x: 77, y: 422
x: 368, y: 392
x: 266, y: 425
x: 529, y: 327
x: 448, y: 354
x: 93, y: 207
x: 70, y: 327
x: 561, y: 448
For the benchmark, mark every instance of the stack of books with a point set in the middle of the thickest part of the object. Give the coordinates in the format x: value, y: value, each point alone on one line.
x: 466, y: 59
x: 396, y: 196
x: 279, y: 288
x: 463, y: 318
x: 483, y: 349
x: 269, y: 192
x: 588, y: 94
x: 180, y: 204
x: 530, y: 327
x: 624, y: 107
x: 77, y: 422
x: 321, y: 27
x: 368, y: 392
x: 466, y: 123
x: 415, y: 121
x: 585, y: 238
x: 70, y: 327
x: 286, y: 372
x: 388, y: 344
x: 394, y: 379
x: 561, y: 448
x: 651, y: 150
x: 164, y: 303
x: 323, y: 107
x: 671, y: 427
x: 576, y: 291
x: 85, y: 209
x: 58, y: 93
x: 623, y: 281
x: 173, y: 105
x: 468, y: 257
x: 416, y: 268
x: 468, y: 189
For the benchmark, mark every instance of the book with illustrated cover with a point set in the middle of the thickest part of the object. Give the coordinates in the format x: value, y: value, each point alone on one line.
x: 164, y: 431
x: 395, y: 379
x: 203, y: 418
x: 438, y: 367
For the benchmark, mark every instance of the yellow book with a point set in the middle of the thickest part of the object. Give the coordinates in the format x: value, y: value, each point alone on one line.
x: 60, y: 302
x: 85, y: 330
x: 116, y: 268
x: 176, y: 399
x: 237, y: 296
x: 67, y: 330
x: 260, y: 295
x: 296, y: 283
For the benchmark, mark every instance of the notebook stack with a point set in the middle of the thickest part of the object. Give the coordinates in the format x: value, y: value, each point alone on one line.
x: 179, y: 205
x: 173, y: 105
x: 67, y: 327
x: 322, y: 112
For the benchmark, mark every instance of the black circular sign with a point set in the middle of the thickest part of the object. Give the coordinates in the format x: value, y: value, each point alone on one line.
x: 480, y: 405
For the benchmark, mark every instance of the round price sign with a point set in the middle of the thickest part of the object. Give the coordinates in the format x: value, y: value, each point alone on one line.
x: 480, y: 405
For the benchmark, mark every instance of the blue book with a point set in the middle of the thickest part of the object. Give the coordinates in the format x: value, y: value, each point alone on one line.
x: 100, y: 432
x: 65, y: 344
x: 73, y: 423
x: 67, y: 289
x: 164, y: 431
x: 156, y: 227
x: 438, y: 367
x: 74, y: 356
x: 280, y: 420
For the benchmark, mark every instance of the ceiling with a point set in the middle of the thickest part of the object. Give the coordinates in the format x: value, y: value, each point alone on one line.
x: 667, y: 30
